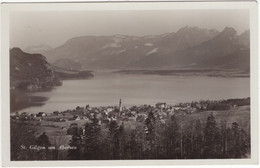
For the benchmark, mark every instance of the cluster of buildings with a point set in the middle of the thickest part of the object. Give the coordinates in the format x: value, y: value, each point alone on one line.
x: 24, y: 116
x: 116, y: 113
x: 109, y: 113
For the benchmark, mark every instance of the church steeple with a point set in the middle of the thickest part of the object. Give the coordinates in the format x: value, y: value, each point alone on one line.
x: 120, y: 105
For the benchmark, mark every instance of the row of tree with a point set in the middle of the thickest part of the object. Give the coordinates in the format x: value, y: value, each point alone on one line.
x: 152, y: 139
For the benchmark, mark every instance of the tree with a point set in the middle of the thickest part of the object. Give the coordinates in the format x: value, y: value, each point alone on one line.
x: 114, y: 139
x: 187, y: 143
x: 239, y: 143
x: 75, y: 154
x: 223, y: 134
x: 73, y: 129
x: 150, y: 135
x: 229, y: 142
x: 43, y: 141
x: 245, y: 143
x: 59, y: 140
x: 172, y: 138
x: 91, y: 140
x: 22, y: 136
x: 133, y: 148
x: 211, y: 138
x: 197, y: 141
x: 122, y: 141
x: 76, y: 141
x: 236, y: 148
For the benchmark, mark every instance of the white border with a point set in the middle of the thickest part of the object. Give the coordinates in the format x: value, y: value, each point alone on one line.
x: 7, y: 8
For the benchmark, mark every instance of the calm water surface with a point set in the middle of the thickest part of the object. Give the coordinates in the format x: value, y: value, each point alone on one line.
x: 106, y: 89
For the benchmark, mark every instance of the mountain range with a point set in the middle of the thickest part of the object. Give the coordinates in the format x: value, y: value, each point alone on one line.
x: 189, y: 47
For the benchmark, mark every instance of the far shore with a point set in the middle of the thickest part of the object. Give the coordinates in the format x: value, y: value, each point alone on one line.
x: 189, y: 72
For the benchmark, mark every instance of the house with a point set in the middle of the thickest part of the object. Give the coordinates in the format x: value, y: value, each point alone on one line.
x: 62, y: 120
x: 41, y: 114
x: 162, y: 121
x: 85, y: 118
x: 133, y: 113
x: 109, y: 109
x: 204, y: 106
x: 132, y: 118
x: 56, y: 112
x: 176, y: 108
x: 15, y: 117
x: 33, y: 115
x: 114, y: 118
x: 198, y: 106
x: 160, y: 105
x: 234, y: 106
x: 24, y: 114
x: 79, y: 109
x: 76, y: 118
x: 88, y: 107
x: 67, y: 111
x: 99, y: 122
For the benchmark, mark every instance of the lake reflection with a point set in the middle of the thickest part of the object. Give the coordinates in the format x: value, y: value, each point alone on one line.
x: 21, y: 100
x: 106, y: 89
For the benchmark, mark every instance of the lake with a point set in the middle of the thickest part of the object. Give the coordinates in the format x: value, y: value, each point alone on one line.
x: 106, y: 88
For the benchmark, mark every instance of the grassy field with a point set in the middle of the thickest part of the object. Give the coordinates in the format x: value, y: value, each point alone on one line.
x: 241, y: 115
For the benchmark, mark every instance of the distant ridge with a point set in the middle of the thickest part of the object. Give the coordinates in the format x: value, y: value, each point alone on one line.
x: 37, y: 49
x: 188, y: 47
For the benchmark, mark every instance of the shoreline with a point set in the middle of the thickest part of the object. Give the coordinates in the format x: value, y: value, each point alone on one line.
x: 194, y: 106
x: 43, y: 99
x: 189, y: 73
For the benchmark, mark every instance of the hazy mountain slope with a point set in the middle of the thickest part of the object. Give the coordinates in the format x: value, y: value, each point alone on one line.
x: 239, y: 59
x: 225, y: 50
x: 30, y: 69
x: 188, y: 47
x: 122, y: 51
x: 225, y: 43
x: 244, y: 39
x: 37, y: 49
x: 68, y: 64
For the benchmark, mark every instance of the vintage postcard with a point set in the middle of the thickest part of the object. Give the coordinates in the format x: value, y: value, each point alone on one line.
x: 136, y: 83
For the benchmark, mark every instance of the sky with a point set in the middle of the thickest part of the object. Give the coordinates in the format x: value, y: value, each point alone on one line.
x: 55, y: 28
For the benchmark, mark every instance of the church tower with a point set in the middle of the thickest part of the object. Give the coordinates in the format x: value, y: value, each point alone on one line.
x: 120, y: 105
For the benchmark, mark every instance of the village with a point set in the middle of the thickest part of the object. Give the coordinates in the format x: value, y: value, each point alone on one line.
x: 162, y: 111
x: 64, y: 128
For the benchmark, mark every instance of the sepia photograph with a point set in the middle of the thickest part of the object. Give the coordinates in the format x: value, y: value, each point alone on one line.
x: 143, y: 83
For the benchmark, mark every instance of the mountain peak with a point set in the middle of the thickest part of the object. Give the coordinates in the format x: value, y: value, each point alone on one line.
x: 20, y: 53
x: 16, y: 49
x: 228, y: 32
x: 186, y: 28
